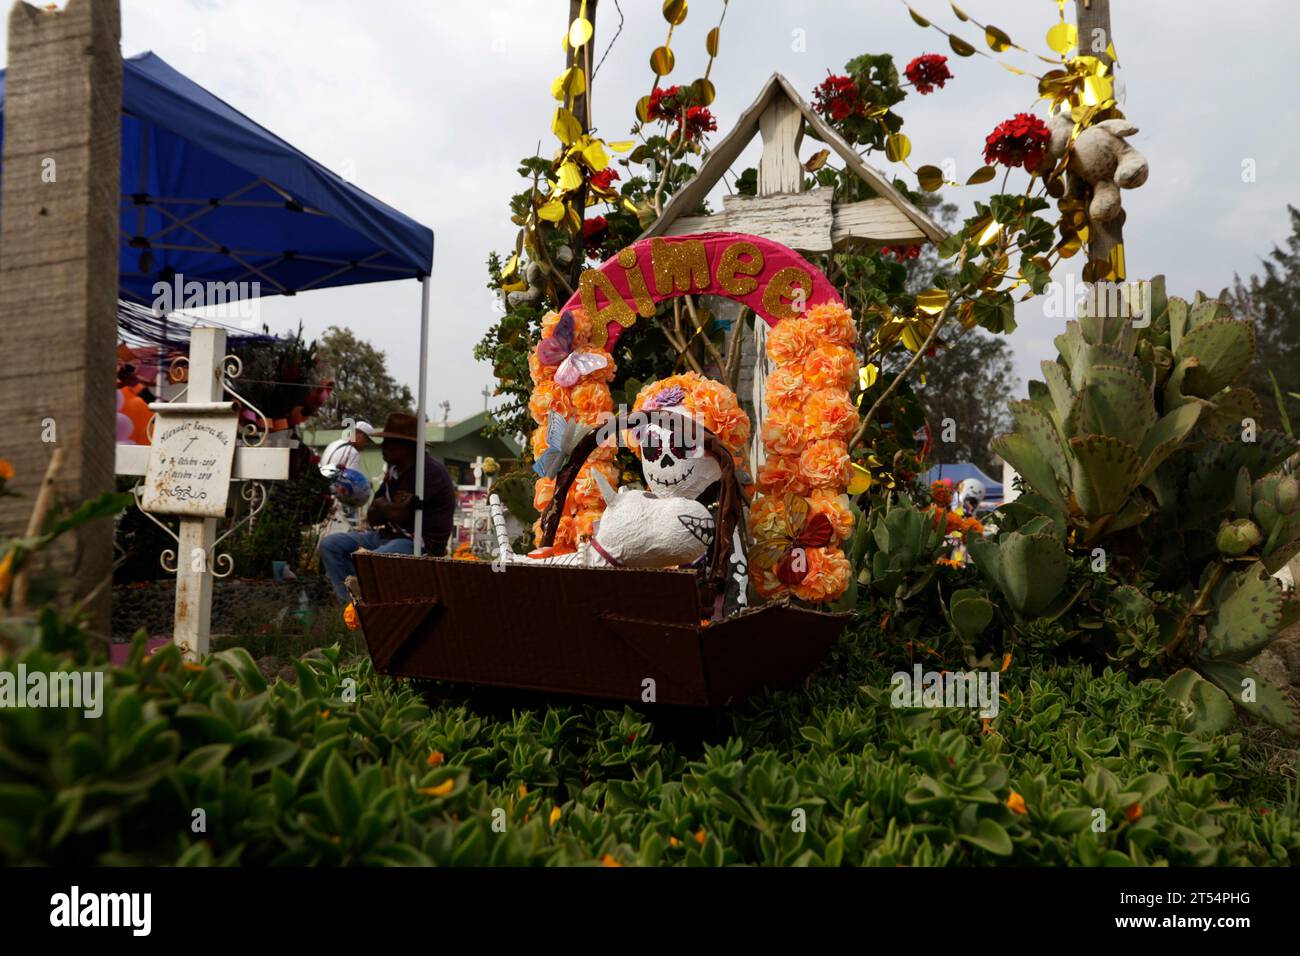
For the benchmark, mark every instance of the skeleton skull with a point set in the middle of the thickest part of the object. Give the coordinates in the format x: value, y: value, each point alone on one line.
x: 674, y: 462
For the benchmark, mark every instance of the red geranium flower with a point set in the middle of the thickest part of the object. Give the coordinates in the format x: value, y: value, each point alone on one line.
x: 594, y: 232
x: 663, y: 104
x: 928, y: 71
x: 698, y: 122
x: 1019, y: 141
x: 605, y: 178
x: 903, y: 253
x: 838, y: 98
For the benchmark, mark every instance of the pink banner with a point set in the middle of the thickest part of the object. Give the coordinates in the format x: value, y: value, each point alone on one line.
x: 772, y: 279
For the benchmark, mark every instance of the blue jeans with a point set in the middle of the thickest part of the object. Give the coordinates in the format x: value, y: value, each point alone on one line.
x: 336, y: 553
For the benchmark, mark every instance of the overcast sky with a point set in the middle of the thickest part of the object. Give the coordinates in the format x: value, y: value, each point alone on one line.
x: 429, y: 105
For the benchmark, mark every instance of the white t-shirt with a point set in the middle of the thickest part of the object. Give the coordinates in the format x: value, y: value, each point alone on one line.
x: 341, y: 454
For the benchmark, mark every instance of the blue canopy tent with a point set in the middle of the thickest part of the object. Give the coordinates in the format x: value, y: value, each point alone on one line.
x: 220, y: 208
x: 959, y: 472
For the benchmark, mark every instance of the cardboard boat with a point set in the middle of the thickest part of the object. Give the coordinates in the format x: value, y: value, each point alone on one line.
x: 593, y: 632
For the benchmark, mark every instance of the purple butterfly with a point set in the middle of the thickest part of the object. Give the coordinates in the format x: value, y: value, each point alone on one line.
x: 558, y: 350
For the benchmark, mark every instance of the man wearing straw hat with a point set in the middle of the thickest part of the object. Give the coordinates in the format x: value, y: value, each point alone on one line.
x: 392, y: 513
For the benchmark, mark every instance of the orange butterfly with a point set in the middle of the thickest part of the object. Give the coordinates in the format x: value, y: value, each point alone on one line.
x: 783, y: 548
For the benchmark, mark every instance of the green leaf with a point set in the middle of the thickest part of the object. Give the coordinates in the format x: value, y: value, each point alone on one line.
x: 1247, y: 620
x: 1165, y: 436
x: 991, y: 837
x: 1269, y: 703
x: 240, y: 663
x: 341, y: 797
x: 1222, y: 349
x: 1105, y: 473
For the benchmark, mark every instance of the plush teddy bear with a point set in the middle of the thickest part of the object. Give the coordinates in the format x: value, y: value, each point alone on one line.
x: 534, y: 275
x: 1102, y: 159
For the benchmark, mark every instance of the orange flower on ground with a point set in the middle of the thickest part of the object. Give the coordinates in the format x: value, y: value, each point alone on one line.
x: 549, y: 396
x: 784, y: 431
x: 1133, y: 812
x: 825, y: 464
x: 785, y: 386
x: 830, y: 366
x: 835, y: 507
x: 827, y: 577
x: 435, y: 758
x: 6, y: 469
x: 829, y: 413
x: 791, y: 341
x: 1016, y: 804
x: 608, y: 860
x: 834, y: 323
x: 780, y: 475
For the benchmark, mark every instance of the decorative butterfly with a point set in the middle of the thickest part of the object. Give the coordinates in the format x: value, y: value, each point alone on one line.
x: 562, y: 436
x: 783, y: 549
x: 558, y: 350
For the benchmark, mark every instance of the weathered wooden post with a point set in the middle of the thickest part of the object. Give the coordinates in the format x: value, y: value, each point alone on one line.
x: 59, y: 268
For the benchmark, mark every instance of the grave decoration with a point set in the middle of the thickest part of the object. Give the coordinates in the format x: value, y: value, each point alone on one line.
x: 640, y: 590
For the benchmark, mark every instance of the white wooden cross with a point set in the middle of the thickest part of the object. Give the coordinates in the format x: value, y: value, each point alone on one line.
x: 200, y: 425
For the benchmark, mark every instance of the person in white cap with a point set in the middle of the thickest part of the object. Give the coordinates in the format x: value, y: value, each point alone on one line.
x: 345, y: 452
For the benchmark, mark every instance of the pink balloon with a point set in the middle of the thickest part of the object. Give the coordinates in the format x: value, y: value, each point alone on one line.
x: 120, y: 399
x: 124, y: 425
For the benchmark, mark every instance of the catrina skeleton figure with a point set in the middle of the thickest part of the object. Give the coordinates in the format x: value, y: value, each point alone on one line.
x: 683, y: 457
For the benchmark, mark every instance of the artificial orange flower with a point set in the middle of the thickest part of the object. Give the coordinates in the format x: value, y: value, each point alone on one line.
x: 825, y: 464
x: 835, y: 506
x: 829, y: 413
x: 589, y: 400
x: 830, y: 366
x: 953, y: 522
x: 784, y: 431
x: 435, y: 758
x: 827, y: 577
x: 349, y: 615
x: 767, y: 515
x: 785, y: 386
x: 833, y: 323
x: 780, y: 475
x: 538, y: 371
x: 791, y: 341
x: 543, y: 492
x: 547, y: 397
x: 581, y: 327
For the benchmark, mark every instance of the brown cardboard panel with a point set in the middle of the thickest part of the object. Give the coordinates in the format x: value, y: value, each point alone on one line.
x: 598, y: 632
x: 770, y: 647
